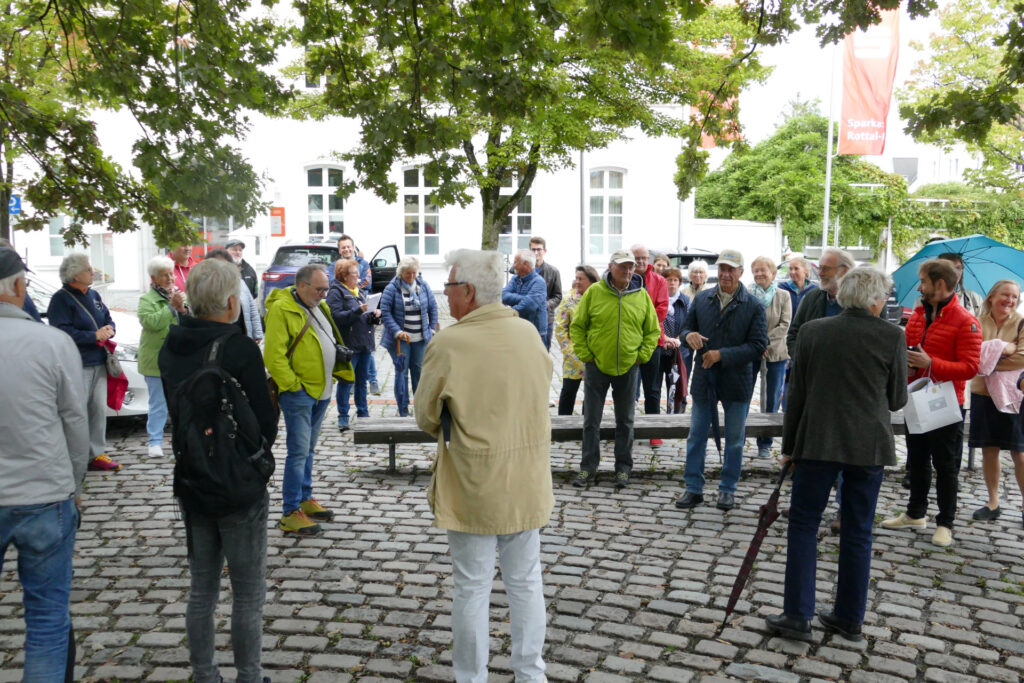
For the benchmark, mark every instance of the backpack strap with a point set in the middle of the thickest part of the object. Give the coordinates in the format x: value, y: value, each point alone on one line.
x: 216, y: 353
x: 298, y: 337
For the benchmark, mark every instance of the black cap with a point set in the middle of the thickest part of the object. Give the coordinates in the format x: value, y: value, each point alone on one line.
x: 232, y: 242
x: 10, y: 263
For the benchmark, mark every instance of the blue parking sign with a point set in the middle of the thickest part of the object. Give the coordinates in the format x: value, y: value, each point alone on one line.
x: 14, y: 206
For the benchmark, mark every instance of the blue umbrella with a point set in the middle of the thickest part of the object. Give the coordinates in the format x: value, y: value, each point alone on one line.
x: 986, y: 261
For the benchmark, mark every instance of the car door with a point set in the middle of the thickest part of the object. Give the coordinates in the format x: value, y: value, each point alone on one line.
x: 383, y: 267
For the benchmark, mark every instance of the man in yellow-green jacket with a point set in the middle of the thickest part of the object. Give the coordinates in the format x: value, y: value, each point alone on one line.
x: 303, y: 353
x: 615, y: 329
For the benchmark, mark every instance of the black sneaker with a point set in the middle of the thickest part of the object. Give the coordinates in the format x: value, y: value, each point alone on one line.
x: 583, y: 478
x: 621, y: 480
x: 689, y: 499
x: 986, y: 514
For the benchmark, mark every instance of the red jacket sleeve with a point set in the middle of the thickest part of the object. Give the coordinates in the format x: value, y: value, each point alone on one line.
x: 657, y: 289
x: 966, y: 353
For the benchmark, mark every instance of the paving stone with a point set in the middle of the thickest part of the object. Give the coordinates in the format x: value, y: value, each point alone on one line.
x: 761, y: 673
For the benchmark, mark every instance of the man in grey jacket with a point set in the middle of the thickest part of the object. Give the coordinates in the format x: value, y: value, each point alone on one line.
x: 44, y: 451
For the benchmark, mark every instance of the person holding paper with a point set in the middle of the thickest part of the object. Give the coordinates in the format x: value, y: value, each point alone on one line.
x: 944, y: 344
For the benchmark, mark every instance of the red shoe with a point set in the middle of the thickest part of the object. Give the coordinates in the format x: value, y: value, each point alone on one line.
x: 655, y: 443
x: 102, y: 463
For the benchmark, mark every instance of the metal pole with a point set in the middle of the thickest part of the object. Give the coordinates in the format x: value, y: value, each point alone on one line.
x: 583, y: 216
x: 828, y: 153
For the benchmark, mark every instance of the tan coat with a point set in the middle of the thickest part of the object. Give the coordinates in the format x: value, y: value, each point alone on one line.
x: 778, y: 314
x: 492, y: 371
x: 1011, y: 331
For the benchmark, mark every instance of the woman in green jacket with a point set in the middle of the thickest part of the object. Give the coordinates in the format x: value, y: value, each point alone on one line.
x: 159, y: 308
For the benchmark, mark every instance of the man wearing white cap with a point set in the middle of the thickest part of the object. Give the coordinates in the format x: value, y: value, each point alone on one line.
x: 235, y: 247
x: 727, y: 330
x: 614, y: 330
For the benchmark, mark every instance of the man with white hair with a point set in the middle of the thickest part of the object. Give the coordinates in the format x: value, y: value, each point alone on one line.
x: 44, y: 451
x: 526, y: 293
x: 821, y: 303
x: 491, y: 487
x: 851, y: 370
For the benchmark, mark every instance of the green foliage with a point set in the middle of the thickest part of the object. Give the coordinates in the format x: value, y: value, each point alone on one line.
x: 479, y: 92
x: 965, y: 57
x: 186, y: 72
x: 785, y: 176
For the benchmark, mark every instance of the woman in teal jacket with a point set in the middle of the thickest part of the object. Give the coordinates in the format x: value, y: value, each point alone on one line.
x: 159, y: 308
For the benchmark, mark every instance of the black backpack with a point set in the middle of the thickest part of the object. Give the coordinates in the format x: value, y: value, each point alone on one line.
x: 222, y: 462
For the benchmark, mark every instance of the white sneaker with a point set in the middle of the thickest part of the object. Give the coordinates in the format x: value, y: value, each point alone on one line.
x: 903, y: 521
x: 156, y: 452
x: 943, y: 537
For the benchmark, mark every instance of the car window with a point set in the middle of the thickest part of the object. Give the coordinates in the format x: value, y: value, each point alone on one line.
x: 296, y: 257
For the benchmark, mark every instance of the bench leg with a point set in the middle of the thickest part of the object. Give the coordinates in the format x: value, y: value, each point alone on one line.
x: 392, y: 468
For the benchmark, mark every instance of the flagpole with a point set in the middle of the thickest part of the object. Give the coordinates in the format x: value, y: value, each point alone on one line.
x: 828, y: 153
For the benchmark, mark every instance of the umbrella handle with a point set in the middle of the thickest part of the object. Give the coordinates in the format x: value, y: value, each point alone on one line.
x: 399, y: 351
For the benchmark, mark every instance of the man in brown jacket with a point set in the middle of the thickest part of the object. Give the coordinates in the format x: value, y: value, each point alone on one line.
x: 484, y: 393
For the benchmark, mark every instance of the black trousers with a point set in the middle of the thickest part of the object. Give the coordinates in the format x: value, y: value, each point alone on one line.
x: 650, y: 378
x: 940, y: 448
x: 567, y: 397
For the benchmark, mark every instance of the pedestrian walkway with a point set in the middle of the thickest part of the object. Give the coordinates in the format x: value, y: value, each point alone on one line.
x: 635, y: 587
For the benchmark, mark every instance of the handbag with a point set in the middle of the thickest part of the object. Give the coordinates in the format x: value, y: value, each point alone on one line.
x: 113, y: 364
x: 930, y: 405
x: 275, y: 391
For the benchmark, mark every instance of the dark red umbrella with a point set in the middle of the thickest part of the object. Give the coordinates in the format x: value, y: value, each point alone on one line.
x: 769, y: 513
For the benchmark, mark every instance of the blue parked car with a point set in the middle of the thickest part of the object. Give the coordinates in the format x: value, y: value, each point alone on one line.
x: 290, y: 257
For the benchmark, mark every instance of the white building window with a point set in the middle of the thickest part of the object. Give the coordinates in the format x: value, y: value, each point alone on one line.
x: 325, y: 208
x: 517, y: 228
x: 56, y: 235
x: 420, y: 214
x: 605, y: 211
x: 101, y: 257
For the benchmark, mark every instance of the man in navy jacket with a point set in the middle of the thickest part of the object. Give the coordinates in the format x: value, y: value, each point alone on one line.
x: 527, y: 293
x: 727, y: 330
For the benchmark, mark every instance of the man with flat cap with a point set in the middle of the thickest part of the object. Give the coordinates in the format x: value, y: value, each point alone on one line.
x: 44, y: 451
x: 235, y: 247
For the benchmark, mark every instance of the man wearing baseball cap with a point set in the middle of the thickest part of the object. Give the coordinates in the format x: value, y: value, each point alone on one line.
x: 44, y: 451
x: 235, y: 247
x: 727, y: 330
x: 614, y: 330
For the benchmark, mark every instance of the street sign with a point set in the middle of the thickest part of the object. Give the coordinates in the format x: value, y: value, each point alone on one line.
x: 14, y: 206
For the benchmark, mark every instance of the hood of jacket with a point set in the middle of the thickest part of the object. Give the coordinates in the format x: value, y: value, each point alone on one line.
x: 191, y: 335
x: 636, y: 284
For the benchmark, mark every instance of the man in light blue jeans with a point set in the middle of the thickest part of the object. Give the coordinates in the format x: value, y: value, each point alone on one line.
x: 44, y: 451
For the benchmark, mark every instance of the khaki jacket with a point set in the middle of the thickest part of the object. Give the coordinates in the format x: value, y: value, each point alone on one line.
x: 494, y: 375
x: 778, y: 315
x: 1011, y: 331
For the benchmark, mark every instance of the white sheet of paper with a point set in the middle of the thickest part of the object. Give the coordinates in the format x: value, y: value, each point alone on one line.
x: 373, y: 302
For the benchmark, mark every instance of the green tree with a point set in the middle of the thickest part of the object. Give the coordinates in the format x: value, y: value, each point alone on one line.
x: 784, y: 176
x: 958, y: 210
x: 964, y: 55
x: 484, y: 92
x: 186, y: 71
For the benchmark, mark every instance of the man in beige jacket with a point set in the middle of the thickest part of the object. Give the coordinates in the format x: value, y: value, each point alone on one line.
x: 484, y: 393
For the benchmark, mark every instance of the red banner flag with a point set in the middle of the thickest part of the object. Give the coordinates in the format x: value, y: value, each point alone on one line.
x: 869, y: 68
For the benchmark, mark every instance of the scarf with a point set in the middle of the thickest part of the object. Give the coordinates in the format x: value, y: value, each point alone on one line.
x: 764, y: 296
x: 410, y: 292
x: 673, y: 298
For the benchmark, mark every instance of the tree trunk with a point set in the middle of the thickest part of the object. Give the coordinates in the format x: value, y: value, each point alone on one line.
x: 6, y: 186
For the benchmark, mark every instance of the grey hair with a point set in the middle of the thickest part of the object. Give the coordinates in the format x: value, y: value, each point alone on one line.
x: 485, y: 270
x: 699, y: 264
x: 407, y: 263
x: 159, y: 264
x: 527, y: 256
x: 210, y: 283
x: 8, y: 284
x: 72, y: 265
x: 863, y: 287
x: 303, y: 274
x: 802, y: 262
x: 845, y: 260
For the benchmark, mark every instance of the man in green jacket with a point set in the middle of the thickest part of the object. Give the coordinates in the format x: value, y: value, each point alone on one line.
x: 301, y: 353
x: 615, y: 330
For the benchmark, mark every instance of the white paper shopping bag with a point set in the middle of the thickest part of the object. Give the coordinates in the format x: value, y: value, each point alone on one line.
x: 930, y: 406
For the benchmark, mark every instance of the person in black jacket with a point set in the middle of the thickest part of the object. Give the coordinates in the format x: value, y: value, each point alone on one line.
x: 347, y: 302
x: 239, y: 537
x: 678, y: 305
x: 235, y: 247
x: 727, y: 331
x: 552, y: 280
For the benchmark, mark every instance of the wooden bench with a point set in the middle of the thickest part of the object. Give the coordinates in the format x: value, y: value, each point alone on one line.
x: 395, y: 430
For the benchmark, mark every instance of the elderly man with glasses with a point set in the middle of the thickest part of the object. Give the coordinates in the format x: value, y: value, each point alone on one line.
x: 304, y: 353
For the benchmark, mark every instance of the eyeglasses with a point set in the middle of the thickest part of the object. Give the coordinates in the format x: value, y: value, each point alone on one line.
x: 322, y: 291
x: 537, y: 250
x: 452, y: 284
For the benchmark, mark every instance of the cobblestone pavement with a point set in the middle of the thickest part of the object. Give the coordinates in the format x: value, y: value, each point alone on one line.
x: 635, y: 588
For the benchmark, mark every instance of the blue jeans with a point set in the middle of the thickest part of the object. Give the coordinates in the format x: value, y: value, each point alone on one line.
x: 413, y: 357
x: 44, y: 535
x: 157, y: 418
x: 371, y: 371
x: 812, y: 483
x: 697, y: 444
x: 774, y: 375
x: 303, y: 416
x: 360, y: 365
